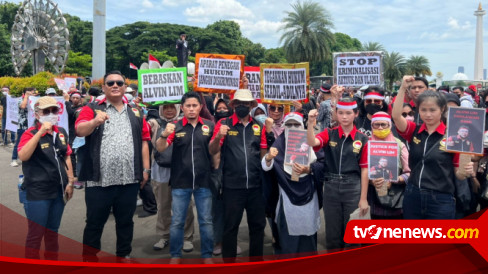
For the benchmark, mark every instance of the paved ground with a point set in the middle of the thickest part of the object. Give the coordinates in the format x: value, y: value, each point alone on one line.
x: 73, y: 221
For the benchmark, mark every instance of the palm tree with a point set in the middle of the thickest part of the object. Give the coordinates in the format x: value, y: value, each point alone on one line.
x: 307, y: 36
x: 373, y: 46
x: 394, y: 67
x: 418, y: 65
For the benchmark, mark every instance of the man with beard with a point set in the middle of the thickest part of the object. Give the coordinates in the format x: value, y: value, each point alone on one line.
x: 460, y: 142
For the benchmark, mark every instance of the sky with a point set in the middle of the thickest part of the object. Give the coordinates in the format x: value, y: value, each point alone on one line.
x: 442, y: 31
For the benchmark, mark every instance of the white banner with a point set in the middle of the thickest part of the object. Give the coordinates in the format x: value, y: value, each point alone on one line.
x: 219, y: 73
x: 63, y: 115
x: 356, y: 69
x: 285, y: 84
x: 12, y: 113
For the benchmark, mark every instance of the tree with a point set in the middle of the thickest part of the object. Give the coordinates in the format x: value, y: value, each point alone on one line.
x: 307, y: 36
x: 80, y: 34
x: 79, y: 63
x: 418, y: 65
x: 373, y: 46
x: 394, y: 67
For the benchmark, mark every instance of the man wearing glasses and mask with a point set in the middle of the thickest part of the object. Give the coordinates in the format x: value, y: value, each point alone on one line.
x: 116, y: 167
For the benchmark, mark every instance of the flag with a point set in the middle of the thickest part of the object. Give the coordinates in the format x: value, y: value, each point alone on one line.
x: 153, y: 59
x: 132, y: 66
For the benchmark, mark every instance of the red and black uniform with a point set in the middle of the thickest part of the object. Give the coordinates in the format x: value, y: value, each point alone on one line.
x: 430, y: 188
x: 45, y: 173
x: 241, y: 179
x: 191, y: 161
x: 344, y: 158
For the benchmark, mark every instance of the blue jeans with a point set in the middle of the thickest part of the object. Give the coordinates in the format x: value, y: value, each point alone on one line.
x: 427, y: 204
x: 44, y: 218
x: 15, y: 152
x: 179, y: 206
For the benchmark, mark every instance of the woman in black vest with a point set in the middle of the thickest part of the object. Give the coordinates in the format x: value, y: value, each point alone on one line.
x: 430, y: 189
x: 48, y: 178
x: 346, y: 169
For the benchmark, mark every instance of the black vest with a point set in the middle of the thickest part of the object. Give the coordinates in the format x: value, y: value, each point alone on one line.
x: 241, y: 155
x: 191, y: 161
x: 46, y: 169
x: 342, y: 155
x: 90, y: 167
x: 434, y: 171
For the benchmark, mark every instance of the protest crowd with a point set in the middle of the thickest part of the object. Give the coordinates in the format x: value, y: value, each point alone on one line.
x: 225, y: 154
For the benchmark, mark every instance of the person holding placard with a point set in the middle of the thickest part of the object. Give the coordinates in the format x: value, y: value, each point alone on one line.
x: 346, y: 168
x: 380, y: 209
x: 5, y: 93
x: 297, y: 210
x: 430, y: 190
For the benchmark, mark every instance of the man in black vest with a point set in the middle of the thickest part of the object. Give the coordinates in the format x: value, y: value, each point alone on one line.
x: 242, y: 143
x: 116, y: 166
x: 182, y: 51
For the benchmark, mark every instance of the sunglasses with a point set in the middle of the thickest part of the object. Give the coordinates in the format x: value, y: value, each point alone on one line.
x: 289, y: 125
x: 118, y: 82
x: 378, y: 125
x: 405, y: 114
x: 374, y: 101
x: 273, y: 108
x: 47, y: 111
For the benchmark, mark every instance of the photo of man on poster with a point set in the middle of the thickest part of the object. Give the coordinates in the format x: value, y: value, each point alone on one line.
x: 461, y: 142
x: 381, y: 170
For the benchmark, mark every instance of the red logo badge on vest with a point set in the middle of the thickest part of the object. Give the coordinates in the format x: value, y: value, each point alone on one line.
x: 61, y: 137
x: 442, y: 144
x: 136, y: 112
x: 357, y: 146
x: 256, y: 129
x: 205, y: 130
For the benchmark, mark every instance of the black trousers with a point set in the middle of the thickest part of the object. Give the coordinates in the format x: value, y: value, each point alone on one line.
x: 235, y: 201
x: 148, y: 200
x: 99, y: 200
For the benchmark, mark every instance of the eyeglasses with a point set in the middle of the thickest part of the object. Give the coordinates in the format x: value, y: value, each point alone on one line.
x: 374, y: 101
x: 273, y: 108
x: 405, y: 114
x: 378, y: 125
x: 52, y: 110
x: 118, y: 82
x: 289, y: 125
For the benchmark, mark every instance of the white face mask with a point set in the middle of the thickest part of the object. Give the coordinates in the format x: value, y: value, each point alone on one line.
x: 261, y: 118
x: 5, y: 93
x: 52, y: 118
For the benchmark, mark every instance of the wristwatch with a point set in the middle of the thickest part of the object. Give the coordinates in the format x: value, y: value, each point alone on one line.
x: 148, y: 171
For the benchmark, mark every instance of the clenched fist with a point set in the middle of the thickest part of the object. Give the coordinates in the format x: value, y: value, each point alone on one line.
x: 101, y: 118
x: 222, y: 131
x: 268, y: 123
x: 273, y: 152
x: 46, y: 127
x: 312, y: 117
x: 407, y: 80
x: 170, y: 128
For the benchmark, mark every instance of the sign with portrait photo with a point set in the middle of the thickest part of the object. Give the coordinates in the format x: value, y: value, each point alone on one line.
x: 465, y: 129
x: 383, y: 160
x: 297, y: 150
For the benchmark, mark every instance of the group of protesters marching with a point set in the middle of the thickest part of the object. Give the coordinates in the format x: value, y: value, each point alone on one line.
x: 225, y: 155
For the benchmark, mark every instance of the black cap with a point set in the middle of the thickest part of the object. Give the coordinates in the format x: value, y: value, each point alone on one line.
x: 325, y: 88
x: 452, y: 97
x: 182, y: 33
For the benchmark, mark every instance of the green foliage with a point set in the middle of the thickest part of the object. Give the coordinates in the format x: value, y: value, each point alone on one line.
x: 7, y: 13
x: 79, y: 63
x: 394, y: 68
x: 40, y: 81
x: 6, y: 67
x: 306, y: 36
x: 80, y: 34
x: 418, y: 65
x: 373, y: 46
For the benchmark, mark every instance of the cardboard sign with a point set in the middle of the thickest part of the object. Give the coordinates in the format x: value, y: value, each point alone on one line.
x: 12, y: 116
x: 356, y: 69
x: 284, y: 83
x: 165, y: 85
x: 253, y: 74
x: 383, y: 160
x: 218, y: 73
x: 465, y: 129
x: 297, y: 149
x: 69, y: 82
x: 62, y: 115
x: 60, y: 84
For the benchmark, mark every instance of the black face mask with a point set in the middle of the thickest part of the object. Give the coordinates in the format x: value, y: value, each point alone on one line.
x: 372, y: 108
x: 221, y: 114
x: 242, y: 111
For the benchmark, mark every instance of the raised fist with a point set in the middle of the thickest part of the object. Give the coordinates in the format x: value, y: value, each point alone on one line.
x: 101, y: 118
x: 312, y: 116
x: 273, y: 152
x: 170, y: 128
x: 222, y: 131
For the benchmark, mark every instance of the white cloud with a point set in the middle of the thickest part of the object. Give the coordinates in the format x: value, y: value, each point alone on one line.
x: 147, y: 4
x: 176, y: 3
x: 210, y: 11
x: 454, y: 24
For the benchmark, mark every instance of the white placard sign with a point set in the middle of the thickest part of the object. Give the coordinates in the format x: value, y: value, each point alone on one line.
x: 285, y: 84
x: 358, y: 69
x: 219, y: 73
x: 162, y: 84
x: 12, y: 113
